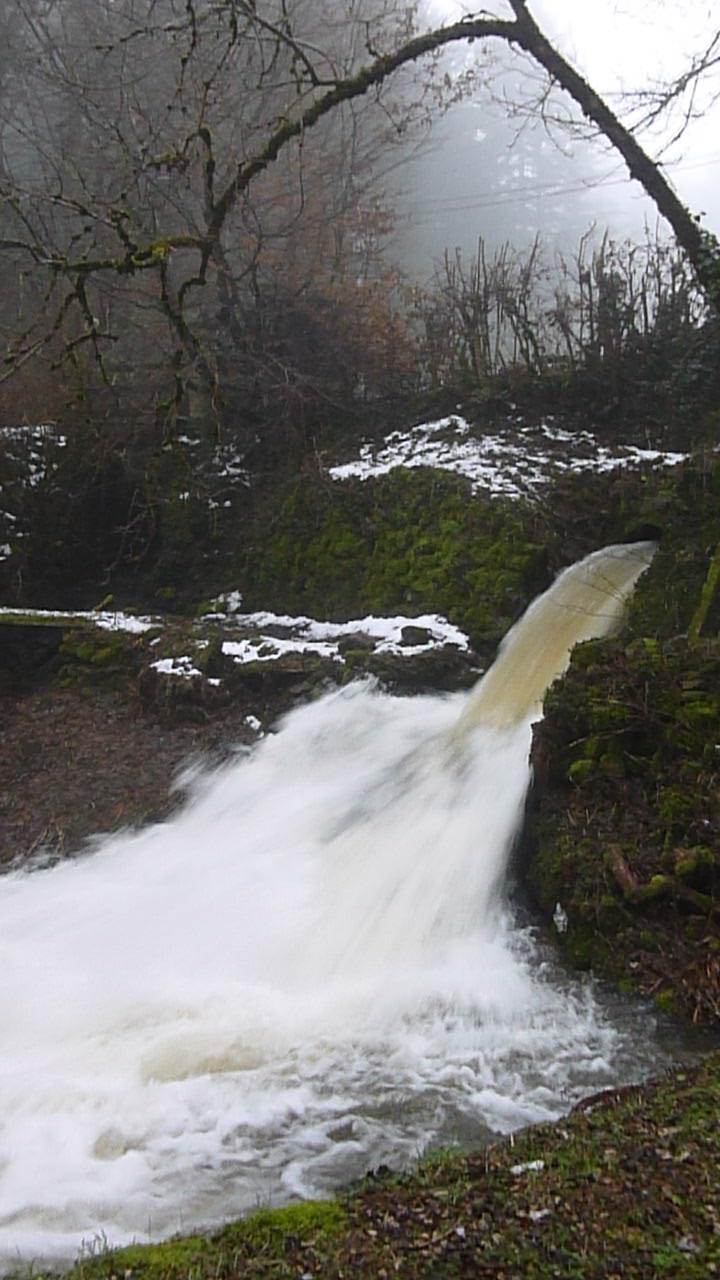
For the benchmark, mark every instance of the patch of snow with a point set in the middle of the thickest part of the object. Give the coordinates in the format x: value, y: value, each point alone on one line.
x: 564, y: 437
x: 532, y: 1166
x: 560, y: 918
x: 514, y: 464
x: 32, y: 442
x: 307, y: 635
x: 121, y: 622
x: 181, y: 667
x: 387, y: 632
x: 228, y: 602
x: 228, y: 464
x: 253, y: 723
x: 666, y: 458
x: 270, y: 648
x: 39, y: 431
x: 5, y: 551
x: 269, y: 636
x: 101, y: 618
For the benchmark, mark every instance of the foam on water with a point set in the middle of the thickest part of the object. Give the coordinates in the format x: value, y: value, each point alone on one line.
x: 309, y: 972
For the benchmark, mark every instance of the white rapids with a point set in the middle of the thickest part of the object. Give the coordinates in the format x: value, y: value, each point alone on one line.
x: 309, y: 972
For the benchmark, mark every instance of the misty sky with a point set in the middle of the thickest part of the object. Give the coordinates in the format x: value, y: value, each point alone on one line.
x: 620, y: 45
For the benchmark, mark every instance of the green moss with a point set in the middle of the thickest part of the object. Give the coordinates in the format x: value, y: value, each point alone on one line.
x: 611, y: 766
x: 695, y: 864
x: 677, y: 595
x: 629, y: 752
x: 28, y: 618
x: 87, y: 651
x: 579, y: 946
x: 704, y: 615
x: 675, y: 807
x: 181, y: 1257
x: 667, y: 1000
x: 580, y: 769
x: 221, y: 1253
x: 98, y: 655
x: 305, y: 1220
x: 409, y: 542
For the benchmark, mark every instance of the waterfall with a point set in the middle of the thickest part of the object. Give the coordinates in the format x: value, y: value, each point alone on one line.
x: 308, y: 972
x: 587, y: 601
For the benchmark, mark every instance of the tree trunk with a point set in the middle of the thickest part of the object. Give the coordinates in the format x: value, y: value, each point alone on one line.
x: 701, y: 246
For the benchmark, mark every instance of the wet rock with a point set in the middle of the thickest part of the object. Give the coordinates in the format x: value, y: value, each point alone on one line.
x: 442, y: 669
x: 356, y: 642
x: 415, y: 635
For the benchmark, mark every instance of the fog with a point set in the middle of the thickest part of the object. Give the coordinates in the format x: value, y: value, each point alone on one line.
x: 484, y: 172
x: 121, y: 170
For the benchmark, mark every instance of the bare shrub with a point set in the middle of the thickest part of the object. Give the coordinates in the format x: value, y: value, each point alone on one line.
x: 618, y: 314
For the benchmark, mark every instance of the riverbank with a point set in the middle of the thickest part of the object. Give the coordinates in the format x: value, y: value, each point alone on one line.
x: 626, y: 1185
x: 95, y: 741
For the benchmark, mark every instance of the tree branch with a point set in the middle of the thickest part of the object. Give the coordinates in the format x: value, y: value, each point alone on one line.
x: 345, y: 91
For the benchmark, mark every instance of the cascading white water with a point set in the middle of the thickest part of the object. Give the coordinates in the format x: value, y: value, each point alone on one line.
x: 307, y: 973
x: 588, y: 600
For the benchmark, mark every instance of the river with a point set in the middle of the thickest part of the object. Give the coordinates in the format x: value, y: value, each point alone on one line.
x: 311, y: 971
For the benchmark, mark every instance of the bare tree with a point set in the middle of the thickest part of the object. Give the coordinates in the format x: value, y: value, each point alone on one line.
x: 123, y: 127
x: 689, y: 96
x: 244, y: 129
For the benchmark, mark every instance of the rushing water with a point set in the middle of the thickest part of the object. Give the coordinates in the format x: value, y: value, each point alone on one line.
x: 309, y: 972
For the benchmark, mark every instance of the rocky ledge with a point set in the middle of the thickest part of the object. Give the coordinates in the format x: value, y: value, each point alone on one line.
x: 102, y: 709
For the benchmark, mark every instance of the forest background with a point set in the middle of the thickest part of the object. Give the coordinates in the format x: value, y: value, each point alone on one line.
x: 211, y: 273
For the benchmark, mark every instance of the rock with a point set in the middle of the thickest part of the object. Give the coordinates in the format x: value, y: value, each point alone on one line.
x: 356, y: 642
x: 626, y: 825
x: 415, y: 636
x: 444, y: 668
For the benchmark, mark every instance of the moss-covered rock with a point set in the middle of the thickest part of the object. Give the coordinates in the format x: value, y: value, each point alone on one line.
x: 410, y: 542
x: 91, y: 654
x: 627, y: 803
x: 676, y: 587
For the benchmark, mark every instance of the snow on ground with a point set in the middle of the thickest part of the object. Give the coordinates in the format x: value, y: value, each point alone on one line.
x: 183, y: 667
x: 517, y: 463
x: 268, y: 636
x: 265, y: 636
x: 306, y: 635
